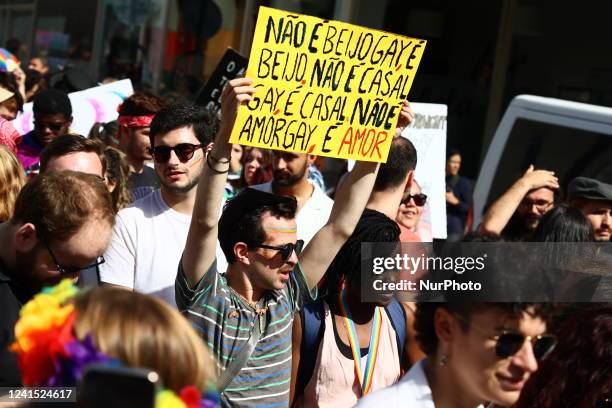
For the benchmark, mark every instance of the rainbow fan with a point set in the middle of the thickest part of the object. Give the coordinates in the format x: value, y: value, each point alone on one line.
x: 8, y: 62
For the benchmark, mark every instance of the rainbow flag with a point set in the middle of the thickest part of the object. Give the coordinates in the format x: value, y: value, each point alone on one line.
x: 8, y: 62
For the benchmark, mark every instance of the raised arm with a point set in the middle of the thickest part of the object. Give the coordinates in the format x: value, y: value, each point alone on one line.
x: 349, y: 204
x: 497, y: 217
x: 201, y: 242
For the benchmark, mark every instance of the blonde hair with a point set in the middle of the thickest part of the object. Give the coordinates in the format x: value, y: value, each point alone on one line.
x: 12, y: 179
x: 143, y: 331
x: 118, y: 172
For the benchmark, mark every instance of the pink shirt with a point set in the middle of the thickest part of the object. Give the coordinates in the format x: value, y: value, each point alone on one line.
x: 334, y: 383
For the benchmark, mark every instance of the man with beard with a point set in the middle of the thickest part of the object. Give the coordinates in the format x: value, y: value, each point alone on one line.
x: 291, y: 179
x: 62, y: 224
x: 517, y: 213
x: 149, y: 237
x: 594, y: 199
x: 135, y: 116
x: 245, y: 314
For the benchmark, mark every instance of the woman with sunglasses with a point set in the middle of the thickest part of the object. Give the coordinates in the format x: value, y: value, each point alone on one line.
x: 477, y: 353
x: 409, y: 213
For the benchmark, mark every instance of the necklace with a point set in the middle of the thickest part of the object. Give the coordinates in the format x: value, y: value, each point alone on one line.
x: 260, y: 312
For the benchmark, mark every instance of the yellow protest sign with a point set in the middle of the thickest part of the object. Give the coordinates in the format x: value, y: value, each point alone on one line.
x: 325, y: 87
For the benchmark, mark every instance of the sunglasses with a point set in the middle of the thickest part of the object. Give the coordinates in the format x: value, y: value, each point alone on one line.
x: 286, y: 250
x: 184, y: 152
x: 419, y: 199
x: 70, y: 270
x: 541, y: 205
x: 54, y: 127
x: 509, y: 343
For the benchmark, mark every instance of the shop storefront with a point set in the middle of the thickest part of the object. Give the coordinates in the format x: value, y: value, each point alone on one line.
x: 479, y: 55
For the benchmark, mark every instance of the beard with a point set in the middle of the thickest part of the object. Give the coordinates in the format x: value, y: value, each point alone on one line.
x: 179, y: 189
x: 520, y: 227
x: 286, y: 179
x: 532, y: 222
x: 30, y: 274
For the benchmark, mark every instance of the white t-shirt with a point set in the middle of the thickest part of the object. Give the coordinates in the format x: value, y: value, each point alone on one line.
x: 412, y: 391
x: 146, y: 247
x: 312, y: 216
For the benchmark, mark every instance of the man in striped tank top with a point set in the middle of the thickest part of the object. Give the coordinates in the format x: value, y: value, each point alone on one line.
x: 245, y: 316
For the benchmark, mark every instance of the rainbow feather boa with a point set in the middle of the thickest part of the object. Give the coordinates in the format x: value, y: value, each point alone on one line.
x: 50, y: 355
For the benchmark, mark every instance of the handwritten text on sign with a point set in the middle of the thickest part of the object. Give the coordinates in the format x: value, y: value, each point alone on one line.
x: 325, y: 87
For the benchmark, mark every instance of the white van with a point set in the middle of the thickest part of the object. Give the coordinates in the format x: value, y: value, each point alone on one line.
x: 573, y: 139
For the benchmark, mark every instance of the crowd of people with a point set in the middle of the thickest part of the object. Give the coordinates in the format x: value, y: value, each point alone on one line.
x: 230, y: 271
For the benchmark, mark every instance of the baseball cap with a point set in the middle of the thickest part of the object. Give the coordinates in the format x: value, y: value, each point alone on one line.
x: 589, y: 188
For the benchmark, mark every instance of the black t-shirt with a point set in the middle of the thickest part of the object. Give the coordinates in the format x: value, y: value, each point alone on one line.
x: 10, y: 304
x: 141, y: 184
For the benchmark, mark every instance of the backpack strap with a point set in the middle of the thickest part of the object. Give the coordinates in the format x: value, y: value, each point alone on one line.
x: 239, y: 361
x: 313, y: 326
x: 397, y: 315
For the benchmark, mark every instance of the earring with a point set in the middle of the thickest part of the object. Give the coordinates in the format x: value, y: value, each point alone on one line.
x: 443, y: 360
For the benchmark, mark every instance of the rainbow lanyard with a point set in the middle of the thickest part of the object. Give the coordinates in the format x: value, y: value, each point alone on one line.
x: 365, y: 376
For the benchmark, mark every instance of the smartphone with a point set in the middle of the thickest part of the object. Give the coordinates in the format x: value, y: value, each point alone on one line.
x: 104, y: 387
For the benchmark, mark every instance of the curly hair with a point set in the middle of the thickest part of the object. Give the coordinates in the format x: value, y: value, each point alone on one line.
x: 139, y: 104
x: 117, y: 174
x: 579, y: 371
x: 12, y: 179
x: 347, y: 266
x: 105, y: 132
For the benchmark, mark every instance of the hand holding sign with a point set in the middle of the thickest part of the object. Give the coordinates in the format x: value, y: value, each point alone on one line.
x: 236, y: 92
x: 406, y: 117
x: 326, y: 87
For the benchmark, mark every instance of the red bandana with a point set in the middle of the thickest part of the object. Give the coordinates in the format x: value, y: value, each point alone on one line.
x: 135, y: 121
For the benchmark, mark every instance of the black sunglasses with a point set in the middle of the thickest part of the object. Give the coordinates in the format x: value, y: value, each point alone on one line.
x: 184, y: 152
x: 54, y: 127
x: 509, y: 343
x: 419, y: 199
x: 66, y: 270
x: 286, y: 250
